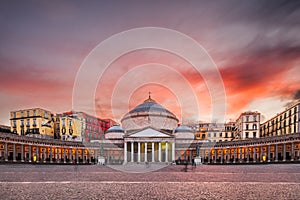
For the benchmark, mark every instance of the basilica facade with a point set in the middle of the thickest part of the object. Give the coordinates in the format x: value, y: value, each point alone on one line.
x: 148, y: 133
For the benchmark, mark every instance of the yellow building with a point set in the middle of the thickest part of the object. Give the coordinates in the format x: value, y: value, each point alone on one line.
x: 68, y: 127
x: 34, y: 122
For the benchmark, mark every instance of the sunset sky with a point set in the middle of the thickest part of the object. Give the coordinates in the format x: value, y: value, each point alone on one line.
x: 254, y: 44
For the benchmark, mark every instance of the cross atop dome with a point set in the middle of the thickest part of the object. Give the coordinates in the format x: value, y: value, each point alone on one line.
x: 150, y: 99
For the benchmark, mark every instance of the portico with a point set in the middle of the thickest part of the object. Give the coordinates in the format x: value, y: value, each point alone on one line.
x: 149, y: 145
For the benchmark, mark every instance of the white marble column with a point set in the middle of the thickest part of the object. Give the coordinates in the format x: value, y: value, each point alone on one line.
x: 292, y: 152
x: 70, y: 156
x: 276, y: 152
x: 167, y: 160
x: 139, y: 152
x: 173, y: 152
x: 159, y: 152
x: 152, y: 151
x: 146, y: 152
x: 14, y: 153
x: 65, y: 155
x: 29, y: 152
x: 6, y: 151
x: 37, y: 153
x: 284, y: 152
x: 254, y: 154
x: 125, y: 152
x: 269, y: 153
x: 22, y: 153
x: 132, y: 151
x: 77, y: 156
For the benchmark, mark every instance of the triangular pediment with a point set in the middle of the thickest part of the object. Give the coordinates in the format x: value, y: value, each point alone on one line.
x: 150, y: 132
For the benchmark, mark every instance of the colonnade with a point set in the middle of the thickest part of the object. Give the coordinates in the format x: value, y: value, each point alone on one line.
x: 22, y: 152
x: 149, y: 151
x: 272, y: 152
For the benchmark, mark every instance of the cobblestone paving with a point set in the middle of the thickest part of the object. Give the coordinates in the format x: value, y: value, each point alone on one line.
x: 102, y: 182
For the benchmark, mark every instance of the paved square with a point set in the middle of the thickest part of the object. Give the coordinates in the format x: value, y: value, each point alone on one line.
x: 280, y: 181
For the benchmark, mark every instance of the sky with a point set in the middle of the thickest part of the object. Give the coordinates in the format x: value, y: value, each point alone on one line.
x: 254, y: 45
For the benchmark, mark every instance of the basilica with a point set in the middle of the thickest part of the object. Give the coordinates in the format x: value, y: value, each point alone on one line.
x: 149, y: 133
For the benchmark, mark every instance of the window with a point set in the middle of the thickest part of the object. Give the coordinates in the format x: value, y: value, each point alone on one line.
x: 46, y: 115
x: 247, y: 134
x: 254, y: 118
x: 220, y: 134
x: 209, y: 135
x: 247, y: 118
x: 22, y: 122
x: 63, y: 122
x: 295, y: 110
x: 226, y: 135
x: 22, y: 114
x: 215, y: 134
x: 28, y: 113
x: 254, y: 134
x: 70, y: 122
x: 254, y: 126
x: 14, y: 114
x: 28, y: 122
x: 15, y: 123
x: 34, y: 113
x: 34, y: 122
x: 203, y: 136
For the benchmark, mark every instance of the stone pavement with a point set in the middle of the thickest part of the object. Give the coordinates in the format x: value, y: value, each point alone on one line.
x: 103, y: 182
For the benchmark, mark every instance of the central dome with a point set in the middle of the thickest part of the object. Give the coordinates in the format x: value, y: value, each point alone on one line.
x: 148, y: 114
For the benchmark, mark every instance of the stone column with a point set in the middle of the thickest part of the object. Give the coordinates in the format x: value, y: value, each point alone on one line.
x: 215, y: 155
x: 167, y: 160
x: 57, y: 154
x: 269, y: 153
x: 51, y: 159
x: 227, y: 160
x: 261, y: 153
x: 222, y: 156
x: 284, y: 152
x: 241, y: 154
x: 191, y: 154
x: 65, y: 155
x: 146, y: 159
x: 132, y: 151
x: 139, y: 152
x: 90, y: 156
x: 276, y: 152
x: 77, y: 156
x: 29, y: 152
x: 70, y: 156
x: 152, y: 151
x: 37, y: 153
x: 234, y: 155
x: 173, y: 152
x: 95, y: 156
x: 125, y: 152
x: 292, y: 152
x: 14, y: 153
x: 254, y: 154
x: 209, y: 155
x: 83, y: 155
x: 44, y: 154
x: 248, y: 154
x: 22, y: 152
x: 6, y: 152
x: 159, y: 152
